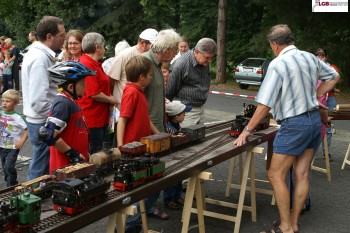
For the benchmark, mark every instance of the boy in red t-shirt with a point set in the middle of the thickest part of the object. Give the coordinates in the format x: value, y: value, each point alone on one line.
x: 66, y: 130
x: 134, y: 122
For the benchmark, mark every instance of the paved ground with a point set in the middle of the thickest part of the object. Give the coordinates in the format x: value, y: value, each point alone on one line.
x: 330, y: 200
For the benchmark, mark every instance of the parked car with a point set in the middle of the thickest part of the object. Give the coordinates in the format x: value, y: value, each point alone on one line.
x: 251, y: 71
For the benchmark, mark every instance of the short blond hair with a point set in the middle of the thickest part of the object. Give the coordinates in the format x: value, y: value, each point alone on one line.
x: 11, y: 94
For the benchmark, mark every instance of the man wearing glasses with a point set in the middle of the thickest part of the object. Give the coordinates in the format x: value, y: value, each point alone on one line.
x: 190, y: 79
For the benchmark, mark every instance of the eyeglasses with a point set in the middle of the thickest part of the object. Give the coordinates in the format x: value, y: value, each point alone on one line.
x: 208, y: 58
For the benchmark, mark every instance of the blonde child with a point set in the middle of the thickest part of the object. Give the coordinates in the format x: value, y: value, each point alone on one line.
x: 13, y: 135
x: 7, y: 73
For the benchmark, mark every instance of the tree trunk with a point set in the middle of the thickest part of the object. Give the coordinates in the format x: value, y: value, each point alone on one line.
x: 221, y: 42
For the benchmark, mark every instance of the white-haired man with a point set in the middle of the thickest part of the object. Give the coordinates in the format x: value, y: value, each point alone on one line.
x: 189, y: 79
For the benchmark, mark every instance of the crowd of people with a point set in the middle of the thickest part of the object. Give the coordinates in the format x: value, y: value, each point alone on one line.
x: 157, y: 85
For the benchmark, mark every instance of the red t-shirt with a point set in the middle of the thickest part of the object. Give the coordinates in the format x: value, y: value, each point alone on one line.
x: 76, y: 133
x: 134, y: 107
x: 96, y: 113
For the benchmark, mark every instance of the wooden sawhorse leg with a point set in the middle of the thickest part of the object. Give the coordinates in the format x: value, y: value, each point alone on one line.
x: 346, y: 158
x: 326, y: 170
x: 117, y: 220
x: 194, y: 184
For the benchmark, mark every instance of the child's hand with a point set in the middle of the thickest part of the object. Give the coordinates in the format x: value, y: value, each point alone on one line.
x: 19, y: 145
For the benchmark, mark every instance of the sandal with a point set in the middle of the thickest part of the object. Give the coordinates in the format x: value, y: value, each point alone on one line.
x: 172, y: 205
x: 277, y: 223
x: 275, y: 228
x: 180, y: 201
x: 158, y: 214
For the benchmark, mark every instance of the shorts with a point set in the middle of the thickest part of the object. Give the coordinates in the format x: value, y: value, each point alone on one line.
x: 298, y: 133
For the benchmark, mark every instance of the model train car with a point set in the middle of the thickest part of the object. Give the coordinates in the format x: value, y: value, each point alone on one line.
x: 41, y: 186
x: 20, y: 214
x: 137, y: 171
x: 72, y: 196
x: 242, y: 121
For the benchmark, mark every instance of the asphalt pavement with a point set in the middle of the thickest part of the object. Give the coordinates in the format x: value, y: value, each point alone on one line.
x: 330, y: 200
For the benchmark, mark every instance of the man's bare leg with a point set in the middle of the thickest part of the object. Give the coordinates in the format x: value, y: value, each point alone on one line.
x: 280, y: 164
x: 301, y: 172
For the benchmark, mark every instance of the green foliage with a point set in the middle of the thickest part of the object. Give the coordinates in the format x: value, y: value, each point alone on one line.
x: 247, y: 23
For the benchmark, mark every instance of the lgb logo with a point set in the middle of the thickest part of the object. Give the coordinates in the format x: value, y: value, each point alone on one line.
x: 322, y: 3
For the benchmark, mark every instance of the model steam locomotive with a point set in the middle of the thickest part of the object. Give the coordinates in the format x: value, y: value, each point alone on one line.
x: 242, y: 121
x: 20, y: 213
x: 136, y: 171
x: 72, y: 196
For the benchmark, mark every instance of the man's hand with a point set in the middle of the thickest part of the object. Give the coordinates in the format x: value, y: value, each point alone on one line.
x: 242, y: 138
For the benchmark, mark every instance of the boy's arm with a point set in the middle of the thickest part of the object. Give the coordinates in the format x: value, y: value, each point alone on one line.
x: 19, y: 144
x: 154, y: 130
x: 121, y: 130
x: 63, y: 147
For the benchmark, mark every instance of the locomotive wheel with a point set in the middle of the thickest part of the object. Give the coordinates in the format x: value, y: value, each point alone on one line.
x: 60, y: 210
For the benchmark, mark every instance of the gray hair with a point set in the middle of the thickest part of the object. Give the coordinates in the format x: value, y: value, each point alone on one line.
x: 90, y: 40
x: 120, y: 46
x: 165, y: 39
x: 206, y: 45
x: 281, y: 35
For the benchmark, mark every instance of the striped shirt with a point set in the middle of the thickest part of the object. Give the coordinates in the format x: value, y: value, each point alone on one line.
x: 188, y: 81
x: 289, y: 88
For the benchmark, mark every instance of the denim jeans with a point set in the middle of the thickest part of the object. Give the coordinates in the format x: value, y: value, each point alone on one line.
x: 172, y: 193
x: 7, y: 82
x: 150, y: 203
x: 39, y: 165
x: 8, y: 162
x: 331, y: 104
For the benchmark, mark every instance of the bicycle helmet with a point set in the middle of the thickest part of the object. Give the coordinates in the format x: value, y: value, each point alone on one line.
x: 68, y: 72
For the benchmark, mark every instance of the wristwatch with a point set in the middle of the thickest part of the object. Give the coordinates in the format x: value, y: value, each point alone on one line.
x: 248, y: 130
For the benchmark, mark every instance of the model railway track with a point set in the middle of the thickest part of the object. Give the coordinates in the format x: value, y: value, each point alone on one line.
x: 57, y: 218
x: 222, y: 139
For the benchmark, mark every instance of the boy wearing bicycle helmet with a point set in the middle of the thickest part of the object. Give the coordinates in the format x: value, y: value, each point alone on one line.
x: 65, y: 130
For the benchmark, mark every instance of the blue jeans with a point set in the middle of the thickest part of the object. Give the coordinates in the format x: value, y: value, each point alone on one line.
x: 172, y: 193
x: 8, y: 162
x: 39, y: 165
x: 99, y: 139
x: 331, y: 104
x: 7, y: 82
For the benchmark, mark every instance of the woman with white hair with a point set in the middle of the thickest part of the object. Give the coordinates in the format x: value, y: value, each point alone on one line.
x: 120, y: 46
x: 97, y: 97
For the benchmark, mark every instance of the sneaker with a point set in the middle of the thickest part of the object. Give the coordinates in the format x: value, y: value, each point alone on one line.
x: 330, y: 157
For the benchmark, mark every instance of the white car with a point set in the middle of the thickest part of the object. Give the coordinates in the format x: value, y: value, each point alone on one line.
x: 251, y: 71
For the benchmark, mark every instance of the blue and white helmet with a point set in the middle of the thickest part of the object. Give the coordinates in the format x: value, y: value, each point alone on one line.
x: 68, y: 72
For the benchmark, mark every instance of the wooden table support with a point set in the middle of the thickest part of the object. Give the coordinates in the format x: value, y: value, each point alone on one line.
x: 118, y: 219
x: 194, y: 186
x: 326, y: 170
x: 346, y: 158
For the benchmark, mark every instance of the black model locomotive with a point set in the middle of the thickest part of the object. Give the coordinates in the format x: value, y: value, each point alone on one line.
x: 72, y: 196
x: 242, y: 121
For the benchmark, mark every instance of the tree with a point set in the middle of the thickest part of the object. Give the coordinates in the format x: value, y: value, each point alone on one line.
x: 221, y: 42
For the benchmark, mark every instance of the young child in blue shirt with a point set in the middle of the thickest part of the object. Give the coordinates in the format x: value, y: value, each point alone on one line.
x: 175, y: 111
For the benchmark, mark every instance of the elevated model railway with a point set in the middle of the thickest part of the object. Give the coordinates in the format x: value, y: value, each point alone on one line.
x: 185, y: 162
